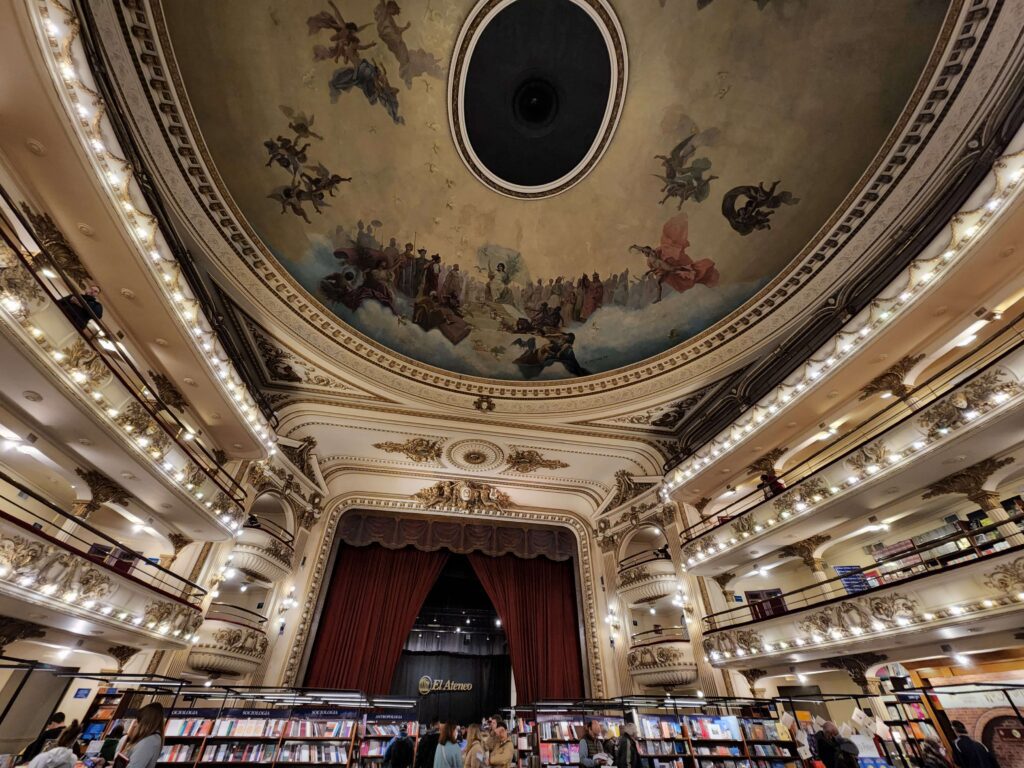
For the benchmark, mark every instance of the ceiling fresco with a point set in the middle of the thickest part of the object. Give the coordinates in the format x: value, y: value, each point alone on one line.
x: 745, y: 124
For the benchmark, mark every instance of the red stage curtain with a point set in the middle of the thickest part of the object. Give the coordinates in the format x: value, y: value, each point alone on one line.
x: 375, y: 595
x: 536, y: 601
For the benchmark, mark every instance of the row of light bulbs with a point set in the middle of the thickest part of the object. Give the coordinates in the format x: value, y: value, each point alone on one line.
x: 955, y: 610
x: 807, y: 504
x: 918, y: 275
x: 64, y: 47
x: 170, y: 470
x: 71, y: 596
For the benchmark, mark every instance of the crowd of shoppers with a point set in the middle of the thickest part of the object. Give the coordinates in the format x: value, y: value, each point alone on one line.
x: 58, y: 745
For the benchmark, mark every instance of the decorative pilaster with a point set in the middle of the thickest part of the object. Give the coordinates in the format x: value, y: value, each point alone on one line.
x: 722, y: 580
x: 970, y: 482
x: 856, y: 665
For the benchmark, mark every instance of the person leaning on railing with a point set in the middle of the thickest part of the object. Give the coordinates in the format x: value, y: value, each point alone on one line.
x: 82, y: 308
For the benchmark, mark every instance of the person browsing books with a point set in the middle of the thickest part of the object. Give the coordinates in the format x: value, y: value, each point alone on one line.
x: 49, y: 733
x: 428, y: 746
x: 592, y: 752
x: 502, y: 753
x: 627, y: 754
x: 399, y: 751
x: 61, y: 754
x: 473, y: 754
x: 448, y: 754
x: 141, y: 747
x: 968, y: 753
x: 826, y: 744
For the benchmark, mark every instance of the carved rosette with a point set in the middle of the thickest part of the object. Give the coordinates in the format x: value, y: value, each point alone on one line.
x: 647, y: 582
x: 663, y: 665
x: 262, y: 556
x: 228, y: 649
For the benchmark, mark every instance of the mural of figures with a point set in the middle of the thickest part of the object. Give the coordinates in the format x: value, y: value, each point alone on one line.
x: 356, y: 187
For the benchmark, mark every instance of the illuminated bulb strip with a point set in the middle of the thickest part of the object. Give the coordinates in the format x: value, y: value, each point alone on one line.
x: 803, y: 505
x: 71, y: 74
x: 876, y: 627
x: 1007, y: 173
x: 49, y: 589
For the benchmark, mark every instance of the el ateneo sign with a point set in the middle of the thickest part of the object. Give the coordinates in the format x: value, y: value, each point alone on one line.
x: 428, y: 684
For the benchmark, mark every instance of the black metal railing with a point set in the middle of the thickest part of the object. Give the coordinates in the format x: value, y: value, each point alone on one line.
x: 258, y: 523
x: 235, y: 614
x: 674, y: 634
x: 647, y: 556
x: 85, y: 540
x: 934, y: 556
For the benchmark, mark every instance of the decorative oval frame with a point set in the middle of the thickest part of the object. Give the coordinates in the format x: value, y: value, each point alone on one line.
x: 615, y: 41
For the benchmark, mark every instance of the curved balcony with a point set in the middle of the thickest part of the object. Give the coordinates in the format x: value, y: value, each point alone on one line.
x: 232, y: 641
x: 85, y: 581
x: 965, y: 408
x: 662, y: 658
x: 924, y: 595
x: 46, y: 317
x: 264, y: 551
x: 645, y: 578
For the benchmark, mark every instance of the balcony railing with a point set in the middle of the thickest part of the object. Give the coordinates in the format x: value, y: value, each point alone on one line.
x: 232, y: 641
x: 956, y: 376
x: 662, y: 658
x: 647, y: 581
x: 235, y: 614
x: 73, y: 534
x: 939, y: 555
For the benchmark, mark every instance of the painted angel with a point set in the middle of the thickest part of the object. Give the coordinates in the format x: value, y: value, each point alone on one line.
x: 669, y: 262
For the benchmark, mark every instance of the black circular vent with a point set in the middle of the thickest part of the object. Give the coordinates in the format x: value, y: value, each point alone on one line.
x: 536, y: 90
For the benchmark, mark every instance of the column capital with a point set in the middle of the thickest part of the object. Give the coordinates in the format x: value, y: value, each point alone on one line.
x: 970, y: 481
x: 805, y: 551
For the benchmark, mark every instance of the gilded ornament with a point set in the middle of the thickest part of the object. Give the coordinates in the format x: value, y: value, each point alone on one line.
x: 766, y: 464
x: 856, y: 666
x: 167, y: 392
x: 103, y: 490
x: 122, y: 654
x: 54, y: 245
x: 529, y: 460
x: 463, y: 495
x: 12, y: 630
x: 891, y: 380
x: 970, y: 481
x: 1007, y: 578
x: 418, y: 449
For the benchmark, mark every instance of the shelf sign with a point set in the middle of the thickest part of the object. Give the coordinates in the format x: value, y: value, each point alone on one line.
x: 82, y: 693
x: 427, y: 685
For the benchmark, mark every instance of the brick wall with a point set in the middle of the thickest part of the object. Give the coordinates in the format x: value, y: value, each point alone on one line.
x: 998, y: 729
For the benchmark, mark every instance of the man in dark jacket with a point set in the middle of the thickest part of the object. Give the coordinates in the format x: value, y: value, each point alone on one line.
x: 428, y: 746
x: 82, y: 309
x: 51, y: 731
x: 826, y: 743
x: 969, y: 753
x: 399, y: 751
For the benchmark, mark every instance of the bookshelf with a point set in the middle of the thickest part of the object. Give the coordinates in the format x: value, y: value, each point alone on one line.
x: 377, y: 732
x: 268, y: 737
x: 102, y: 711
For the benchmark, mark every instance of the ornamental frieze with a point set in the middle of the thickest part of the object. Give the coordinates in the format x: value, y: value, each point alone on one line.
x: 172, y: 617
x: 1007, y: 578
x: 733, y: 642
x: 242, y: 641
x: 463, y: 495
x: 985, y: 392
x: 862, y: 614
x: 654, y: 658
x: 62, y: 573
x: 633, y: 575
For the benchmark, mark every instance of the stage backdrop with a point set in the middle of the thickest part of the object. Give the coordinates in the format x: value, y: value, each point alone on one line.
x: 489, y: 677
x: 375, y: 593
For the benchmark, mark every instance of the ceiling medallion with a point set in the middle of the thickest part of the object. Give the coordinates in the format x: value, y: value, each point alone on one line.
x: 535, y: 92
x: 474, y: 455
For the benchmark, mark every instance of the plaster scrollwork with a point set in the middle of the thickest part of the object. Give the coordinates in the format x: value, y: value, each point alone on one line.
x: 79, y: 356
x: 243, y: 641
x: 418, y: 449
x: 167, y: 392
x: 61, y: 573
x: 103, y: 490
x: 463, y: 495
x: 766, y: 464
x: 1007, y: 578
x: 54, y: 244
x: 744, y: 526
x: 633, y: 575
x: 851, y: 617
x: 658, y: 656
x: 986, y: 391
x: 12, y: 630
x: 526, y: 460
x: 301, y: 456
x: 869, y: 458
x: 136, y: 420
x: 170, y: 617
x: 891, y: 380
x: 17, y: 282
x: 279, y: 551
x: 733, y: 642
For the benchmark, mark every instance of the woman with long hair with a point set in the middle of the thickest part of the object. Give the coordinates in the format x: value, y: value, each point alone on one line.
x: 61, y: 754
x: 473, y: 756
x: 141, y: 747
x: 448, y: 754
